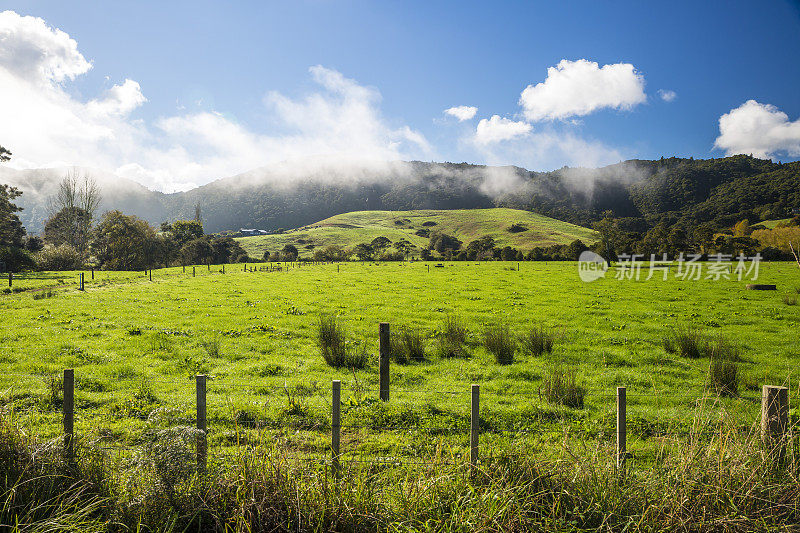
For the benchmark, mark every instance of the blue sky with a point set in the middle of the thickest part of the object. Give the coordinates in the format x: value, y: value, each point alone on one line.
x: 211, y: 74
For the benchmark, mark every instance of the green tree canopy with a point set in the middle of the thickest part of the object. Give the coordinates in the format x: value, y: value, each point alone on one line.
x: 124, y: 242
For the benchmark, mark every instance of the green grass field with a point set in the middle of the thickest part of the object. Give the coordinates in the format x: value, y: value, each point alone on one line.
x: 350, y: 229
x: 136, y: 344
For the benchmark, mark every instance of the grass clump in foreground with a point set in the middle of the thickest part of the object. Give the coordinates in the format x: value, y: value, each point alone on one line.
x: 723, y: 370
x: 576, y: 490
x: 687, y: 341
x: 452, y: 339
x: 560, y: 386
x: 407, y: 346
x: 331, y: 338
x: 538, y: 340
x: 499, y: 341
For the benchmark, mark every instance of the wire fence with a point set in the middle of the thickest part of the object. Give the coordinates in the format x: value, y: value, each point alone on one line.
x: 310, y: 410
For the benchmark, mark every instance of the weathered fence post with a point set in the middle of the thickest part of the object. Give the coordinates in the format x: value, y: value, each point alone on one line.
x: 774, y: 419
x: 385, y: 354
x: 184, y: 269
x: 202, y: 440
x: 10, y: 278
x: 193, y: 271
x: 622, y: 428
x: 80, y: 281
x: 474, y: 427
x: 151, y: 274
x: 223, y: 268
x: 92, y: 273
x: 69, y: 413
x: 336, y: 424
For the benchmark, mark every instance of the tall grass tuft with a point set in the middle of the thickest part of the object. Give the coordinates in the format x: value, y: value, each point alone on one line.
x: 790, y: 299
x: 500, y: 342
x: 688, y: 341
x: 331, y: 338
x: 723, y: 370
x: 538, y: 340
x: 407, y: 346
x: 452, y: 339
x: 213, y: 346
x: 560, y: 386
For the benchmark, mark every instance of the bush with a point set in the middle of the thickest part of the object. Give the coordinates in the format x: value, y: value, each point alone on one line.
x: 685, y: 340
x: 499, y: 341
x: 63, y: 257
x: 452, y: 339
x: 723, y: 376
x: 331, y: 339
x: 538, y: 340
x: 560, y: 387
x: 407, y: 346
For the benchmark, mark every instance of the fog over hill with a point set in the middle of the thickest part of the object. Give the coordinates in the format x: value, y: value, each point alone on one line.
x: 291, y: 195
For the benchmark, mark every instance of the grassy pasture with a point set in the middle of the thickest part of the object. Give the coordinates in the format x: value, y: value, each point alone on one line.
x: 136, y: 344
x: 350, y: 229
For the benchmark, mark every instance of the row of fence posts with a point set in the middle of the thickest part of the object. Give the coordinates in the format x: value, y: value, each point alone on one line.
x: 774, y: 415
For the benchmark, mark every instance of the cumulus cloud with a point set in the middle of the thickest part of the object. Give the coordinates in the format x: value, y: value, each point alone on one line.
x: 667, y: 95
x: 577, y: 88
x: 497, y: 129
x: 759, y: 129
x: 45, y: 125
x: 462, y: 112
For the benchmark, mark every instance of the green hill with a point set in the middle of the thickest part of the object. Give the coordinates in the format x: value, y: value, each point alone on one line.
x: 350, y: 229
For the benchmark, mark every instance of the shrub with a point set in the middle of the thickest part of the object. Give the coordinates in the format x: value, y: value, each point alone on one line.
x: 517, y: 228
x: 685, y: 340
x: 560, y: 386
x: 790, y: 299
x: 331, y: 339
x: 63, y: 257
x: 41, y: 295
x: 723, y: 376
x: 407, y: 346
x: 538, y: 340
x: 452, y: 339
x: 499, y: 341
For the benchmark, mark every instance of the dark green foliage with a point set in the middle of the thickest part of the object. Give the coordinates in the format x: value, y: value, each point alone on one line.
x: 332, y: 342
x: 451, y: 340
x: 443, y: 243
x: 517, y: 228
x: 500, y: 342
x: 687, y: 341
x: 407, y: 346
x: 560, y: 386
x: 538, y: 340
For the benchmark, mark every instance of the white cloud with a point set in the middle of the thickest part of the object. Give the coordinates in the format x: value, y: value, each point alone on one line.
x: 45, y: 126
x: 577, y: 88
x: 759, y: 129
x: 667, y: 95
x: 497, y: 129
x: 119, y: 100
x: 37, y: 53
x: 462, y: 112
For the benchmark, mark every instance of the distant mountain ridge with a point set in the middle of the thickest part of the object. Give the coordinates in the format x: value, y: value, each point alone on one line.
x: 645, y: 191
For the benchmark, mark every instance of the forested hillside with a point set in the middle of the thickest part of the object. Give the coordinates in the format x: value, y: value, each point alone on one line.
x: 644, y: 193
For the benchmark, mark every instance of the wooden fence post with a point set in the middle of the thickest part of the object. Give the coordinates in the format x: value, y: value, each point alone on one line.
x: 223, y: 268
x: 80, y: 281
x: 474, y: 427
x: 151, y: 274
x: 184, y: 269
x: 193, y: 271
x: 68, y: 406
x: 775, y: 419
x: 202, y: 440
x: 622, y: 428
x: 10, y: 277
x: 385, y: 354
x: 336, y: 424
x: 92, y: 273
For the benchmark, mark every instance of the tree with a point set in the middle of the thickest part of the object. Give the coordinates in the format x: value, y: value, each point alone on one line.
x: 5, y: 155
x: 123, y: 242
x: 363, y: 251
x: 196, y: 252
x: 289, y: 252
x: 184, y: 231
x: 443, y: 243
x: 12, y: 253
x: 72, y: 210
